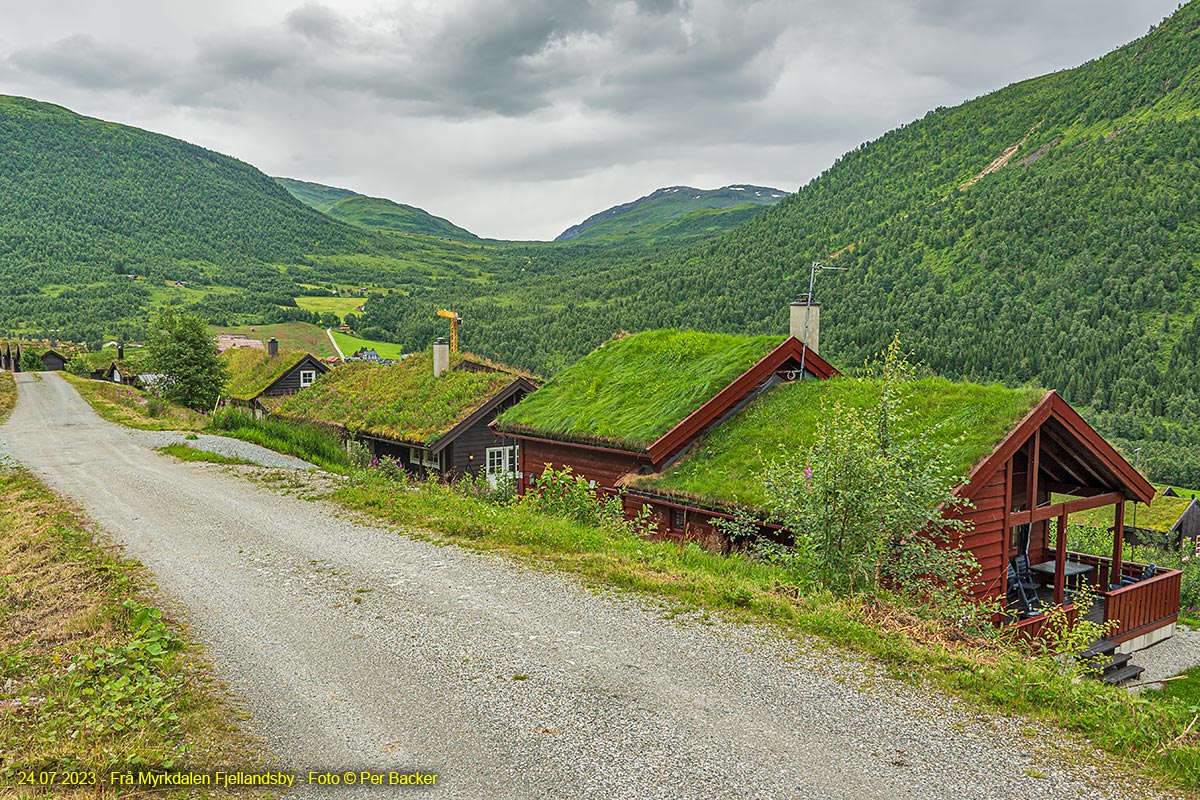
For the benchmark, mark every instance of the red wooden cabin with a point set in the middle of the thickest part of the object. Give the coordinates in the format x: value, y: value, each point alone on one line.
x: 606, y: 455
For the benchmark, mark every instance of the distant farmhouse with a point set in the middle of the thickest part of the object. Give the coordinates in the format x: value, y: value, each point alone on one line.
x: 229, y: 341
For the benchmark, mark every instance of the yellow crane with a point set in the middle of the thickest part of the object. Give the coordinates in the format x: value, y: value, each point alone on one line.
x: 455, y: 320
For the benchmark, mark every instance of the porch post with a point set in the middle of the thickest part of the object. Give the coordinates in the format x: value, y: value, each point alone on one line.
x: 1060, y: 560
x: 1114, y: 575
x: 1006, y: 533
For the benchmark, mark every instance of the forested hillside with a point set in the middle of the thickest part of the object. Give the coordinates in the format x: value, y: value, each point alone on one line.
x: 100, y: 222
x: 676, y: 213
x: 374, y: 213
x: 1072, y: 263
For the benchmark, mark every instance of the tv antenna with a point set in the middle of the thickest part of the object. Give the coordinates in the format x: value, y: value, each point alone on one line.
x: 817, y: 266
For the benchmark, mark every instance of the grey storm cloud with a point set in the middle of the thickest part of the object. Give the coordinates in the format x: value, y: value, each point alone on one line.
x: 317, y: 22
x: 520, y: 118
x: 82, y: 61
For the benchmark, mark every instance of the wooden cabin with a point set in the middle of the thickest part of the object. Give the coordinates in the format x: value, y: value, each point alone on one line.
x: 1031, y: 462
x: 255, y: 375
x: 429, y: 412
x: 54, y: 361
x: 637, y: 403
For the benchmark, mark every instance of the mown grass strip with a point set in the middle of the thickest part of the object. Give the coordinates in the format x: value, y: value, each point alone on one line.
x: 313, y: 443
x: 1138, y: 730
x: 134, y: 408
x: 187, y: 453
x: 93, y: 680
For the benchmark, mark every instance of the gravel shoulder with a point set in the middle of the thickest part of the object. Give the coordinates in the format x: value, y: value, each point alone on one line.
x: 356, y: 647
x: 234, y: 448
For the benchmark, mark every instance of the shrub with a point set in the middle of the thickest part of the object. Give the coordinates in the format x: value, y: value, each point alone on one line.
x: 867, y: 503
x: 31, y: 362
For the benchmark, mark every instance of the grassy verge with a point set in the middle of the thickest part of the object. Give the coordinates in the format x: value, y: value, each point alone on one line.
x: 1186, y: 691
x: 133, y: 408
x: 186, y: 453
x: 312, y: 443
x: 8, y: 394
x: 1140, y: 731
x: 92, y: 680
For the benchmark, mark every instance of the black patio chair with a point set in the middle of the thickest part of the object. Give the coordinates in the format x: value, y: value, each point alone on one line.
x: 1024, y: 572
x: 1025, y: 598
x: 1147, y: 573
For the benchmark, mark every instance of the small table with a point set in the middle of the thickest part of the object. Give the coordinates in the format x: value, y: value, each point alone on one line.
x: 1070, y: 570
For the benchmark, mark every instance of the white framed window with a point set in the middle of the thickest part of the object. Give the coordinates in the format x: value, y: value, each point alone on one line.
x: 425, y: 458
x: 500, y: 461
x: 307, y: 376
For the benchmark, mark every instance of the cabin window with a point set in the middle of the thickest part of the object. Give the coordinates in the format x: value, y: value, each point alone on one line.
x: 307, y: 376
x: 678, y: 519
x: 425, y: 458
x: 500, y: 461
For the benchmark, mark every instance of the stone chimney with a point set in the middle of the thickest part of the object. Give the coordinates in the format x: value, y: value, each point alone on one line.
x: 120, y: 351
x: 53, y: 342
x: 272, y: 347
x: 441, y: 356
x: 799, y: 309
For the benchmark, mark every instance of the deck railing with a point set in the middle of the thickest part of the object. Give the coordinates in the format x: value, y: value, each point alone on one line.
x: 1140, y: 607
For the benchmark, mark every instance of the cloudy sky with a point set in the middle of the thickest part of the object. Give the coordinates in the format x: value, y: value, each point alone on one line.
x: 518, y: 118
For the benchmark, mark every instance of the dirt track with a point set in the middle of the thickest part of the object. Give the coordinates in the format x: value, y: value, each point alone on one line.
x: 356, y: 647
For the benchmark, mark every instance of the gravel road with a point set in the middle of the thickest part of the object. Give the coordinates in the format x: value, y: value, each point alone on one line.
x: 359, y: 648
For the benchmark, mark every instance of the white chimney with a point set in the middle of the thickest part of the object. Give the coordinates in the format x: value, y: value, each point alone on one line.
x: 441, y: 356
x: 800, y: 309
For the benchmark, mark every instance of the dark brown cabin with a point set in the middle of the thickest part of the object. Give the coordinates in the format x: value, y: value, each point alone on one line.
x: 54, y: 360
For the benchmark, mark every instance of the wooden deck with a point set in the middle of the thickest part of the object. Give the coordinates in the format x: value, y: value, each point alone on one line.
x: 1137, y: 609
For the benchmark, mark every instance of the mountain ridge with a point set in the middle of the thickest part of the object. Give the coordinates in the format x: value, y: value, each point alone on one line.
x: 664, y: 206
x: 373, y: 213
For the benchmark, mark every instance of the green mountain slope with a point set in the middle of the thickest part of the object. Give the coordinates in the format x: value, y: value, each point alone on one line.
x: 1048, y: 232
x: 676, y: 212
x: 314, y: 195
x: 101, y: 222
x: 374, y: 213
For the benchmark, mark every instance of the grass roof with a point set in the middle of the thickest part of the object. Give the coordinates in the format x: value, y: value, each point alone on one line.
x: 1160, y: 515
x: 402, y: 401
x: 727, y: 468
x: 251, y: 371
x: 631, y: 390
x: 100, y: 359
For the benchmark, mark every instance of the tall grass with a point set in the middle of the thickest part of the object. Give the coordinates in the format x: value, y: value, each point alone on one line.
x: 313, y: 443
x: 91, y: 679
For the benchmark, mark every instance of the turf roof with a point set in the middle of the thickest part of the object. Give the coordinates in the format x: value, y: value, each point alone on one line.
x: 727, y: 468
x: 100, y: 359
x: 1160, y: 515
x: 403, y: 401
x: 251, y: 371
x: 633, y: 389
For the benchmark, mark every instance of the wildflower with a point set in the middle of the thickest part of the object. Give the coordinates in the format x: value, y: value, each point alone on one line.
x: 808, y: 473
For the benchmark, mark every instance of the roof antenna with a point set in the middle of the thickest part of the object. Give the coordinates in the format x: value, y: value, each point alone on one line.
x: 812, y: 278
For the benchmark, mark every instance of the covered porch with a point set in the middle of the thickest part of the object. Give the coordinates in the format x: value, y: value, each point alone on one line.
x: 1055, y: 465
